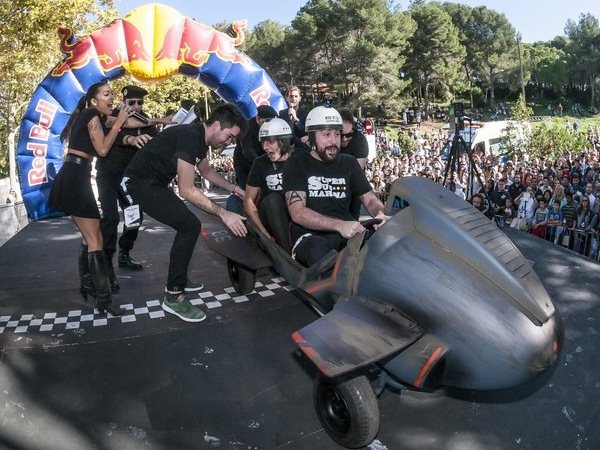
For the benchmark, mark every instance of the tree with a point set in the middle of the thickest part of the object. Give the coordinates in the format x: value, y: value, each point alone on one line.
x: 583, y: 49
x: 548, y: 66
x: 461, y: 16
x: 354, y: 46
x: 29, y: 48
x: 552, y: 139
x: 490, y: 42
x: 265, y: 44
x: 516, y: 138
x: 436, y: 55
x: 521, y: 111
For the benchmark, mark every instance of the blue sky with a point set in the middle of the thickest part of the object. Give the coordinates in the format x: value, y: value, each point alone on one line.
x: 536, y: 20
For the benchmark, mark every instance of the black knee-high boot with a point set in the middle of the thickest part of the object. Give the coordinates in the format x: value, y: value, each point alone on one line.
x: 112, y: 278
x: 99, y: 272
x: 85, y: 279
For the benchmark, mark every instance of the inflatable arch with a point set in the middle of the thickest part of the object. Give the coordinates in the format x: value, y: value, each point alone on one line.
x: 152, y: 42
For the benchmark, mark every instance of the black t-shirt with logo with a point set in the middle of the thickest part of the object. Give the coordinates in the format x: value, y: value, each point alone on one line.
x: 329, y: 187
x: 267, y: 175
x: 158, y: 158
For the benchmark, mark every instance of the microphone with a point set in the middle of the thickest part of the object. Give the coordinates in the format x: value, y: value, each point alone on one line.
x: 137, y: 115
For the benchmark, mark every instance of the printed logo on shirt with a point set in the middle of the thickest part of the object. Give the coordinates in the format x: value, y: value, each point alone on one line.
x: 326, y: 187
x: 275, y: 181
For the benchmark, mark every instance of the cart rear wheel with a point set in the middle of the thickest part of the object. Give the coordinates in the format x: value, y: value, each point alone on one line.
x: 348, y: 410
x: 242, y: 279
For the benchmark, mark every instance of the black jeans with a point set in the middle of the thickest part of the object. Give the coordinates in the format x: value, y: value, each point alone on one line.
x: 161, y: 203
x: 312, y: 248
x: 274, y: 215
x: 111, y: 198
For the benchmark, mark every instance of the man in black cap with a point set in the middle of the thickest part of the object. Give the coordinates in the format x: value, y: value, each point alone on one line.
x: 109, y: 171
x: 246, y: 151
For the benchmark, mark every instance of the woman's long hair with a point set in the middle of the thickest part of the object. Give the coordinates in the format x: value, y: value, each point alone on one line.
x: 83, y: 103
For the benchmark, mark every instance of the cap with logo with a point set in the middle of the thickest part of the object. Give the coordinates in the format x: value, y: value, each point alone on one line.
x: 323, y: 118
x: 133, y: 92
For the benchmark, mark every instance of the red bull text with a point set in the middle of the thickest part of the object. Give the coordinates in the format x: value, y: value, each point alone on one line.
x: 38, y: 144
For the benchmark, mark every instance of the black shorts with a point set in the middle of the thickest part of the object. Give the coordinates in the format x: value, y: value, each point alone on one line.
x: 72, y: 191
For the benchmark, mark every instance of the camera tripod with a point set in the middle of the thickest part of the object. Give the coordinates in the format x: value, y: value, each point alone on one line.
x: 453, y: 165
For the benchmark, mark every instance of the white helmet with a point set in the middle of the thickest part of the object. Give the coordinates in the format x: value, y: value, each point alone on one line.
x: 274, y: 129
x: 323, y: 118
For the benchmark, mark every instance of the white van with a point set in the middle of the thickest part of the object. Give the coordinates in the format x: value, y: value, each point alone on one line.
x: 485, y: 136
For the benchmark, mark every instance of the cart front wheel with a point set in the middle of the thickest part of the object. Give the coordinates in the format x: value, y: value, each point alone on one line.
x: 348, y: 410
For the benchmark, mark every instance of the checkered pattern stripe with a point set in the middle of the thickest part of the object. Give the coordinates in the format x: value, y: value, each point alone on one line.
x: 76, y: 319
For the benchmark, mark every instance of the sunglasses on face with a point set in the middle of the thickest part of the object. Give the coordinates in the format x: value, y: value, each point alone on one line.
x: 133, y: 102
x: 347, y: 135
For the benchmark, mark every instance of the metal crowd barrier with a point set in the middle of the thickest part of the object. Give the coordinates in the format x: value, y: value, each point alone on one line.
x: 584, y: 242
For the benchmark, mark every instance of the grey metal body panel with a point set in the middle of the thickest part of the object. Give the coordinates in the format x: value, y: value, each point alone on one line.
x: 452, y: 271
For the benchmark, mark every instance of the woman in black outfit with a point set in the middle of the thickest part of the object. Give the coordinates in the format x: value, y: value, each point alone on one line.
x: 88, y: 136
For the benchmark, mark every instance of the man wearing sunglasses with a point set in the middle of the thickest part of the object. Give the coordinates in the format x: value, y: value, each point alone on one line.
x: 109, y: 171
x: 353, y: 141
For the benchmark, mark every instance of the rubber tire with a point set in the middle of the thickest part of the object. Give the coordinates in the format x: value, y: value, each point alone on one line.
x: 348, y: 410
x: 241, y: 278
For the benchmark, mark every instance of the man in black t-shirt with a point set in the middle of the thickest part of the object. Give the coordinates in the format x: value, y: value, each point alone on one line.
x: 319, y: 186
x: 353, y: 141
x: 176, y: 152
x: 264, y: 203
x: 247, y: 149
x: 499, y: 195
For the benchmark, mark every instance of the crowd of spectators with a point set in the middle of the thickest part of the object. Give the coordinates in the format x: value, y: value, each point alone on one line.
x: 554, y: 199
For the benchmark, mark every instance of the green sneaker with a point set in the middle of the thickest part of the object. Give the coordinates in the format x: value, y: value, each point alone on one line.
x: 177, y: 304
x: 193, y: 287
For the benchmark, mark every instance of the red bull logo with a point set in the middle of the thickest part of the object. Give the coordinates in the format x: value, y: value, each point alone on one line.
x: 115, y: 45
x: 197, y: 42
x: 261, y: 95
x: 38, y: 143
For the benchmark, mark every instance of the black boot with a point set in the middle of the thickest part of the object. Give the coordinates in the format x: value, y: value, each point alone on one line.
x: 112, y: 278
x: 99, y: 272
x: 127, y: 261
x: 85, y: 279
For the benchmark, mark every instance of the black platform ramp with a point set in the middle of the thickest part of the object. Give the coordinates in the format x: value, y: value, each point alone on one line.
x: 72, y: 379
